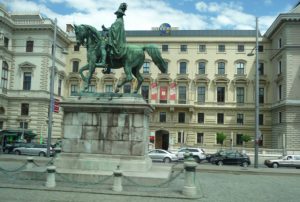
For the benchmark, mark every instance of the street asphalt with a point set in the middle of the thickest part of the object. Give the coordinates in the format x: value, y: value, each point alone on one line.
x: 214, y: 184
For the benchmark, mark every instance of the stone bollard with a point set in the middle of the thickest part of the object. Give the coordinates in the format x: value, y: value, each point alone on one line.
x: 117, y: 186
x: 30, y: 163
x: 189, y: 188
x: 50, y: 183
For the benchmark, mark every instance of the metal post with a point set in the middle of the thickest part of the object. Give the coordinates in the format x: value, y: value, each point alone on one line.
x: 256, y: 101
x: 50, y: 115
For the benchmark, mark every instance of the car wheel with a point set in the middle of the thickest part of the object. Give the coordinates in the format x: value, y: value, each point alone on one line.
x: 220, y: 163
x: 167, y: 160
x: 42, y: 154
x: 275, y: 165
x: 197, y: 159
x: 17, y: 152
x: 245, y: 164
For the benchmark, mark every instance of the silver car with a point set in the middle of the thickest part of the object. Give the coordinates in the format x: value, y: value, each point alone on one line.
x: 162, y: 155
x: 33, y: 149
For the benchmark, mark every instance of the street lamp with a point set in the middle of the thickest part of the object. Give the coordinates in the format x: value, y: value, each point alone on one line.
x: 50, y: 115
x: 257, y: 133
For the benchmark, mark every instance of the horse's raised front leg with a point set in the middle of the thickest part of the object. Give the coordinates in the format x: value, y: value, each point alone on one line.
x: 139, y: 78
x: 128, y: 78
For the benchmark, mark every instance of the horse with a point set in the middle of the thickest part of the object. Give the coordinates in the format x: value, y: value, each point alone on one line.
x: 131, y: 61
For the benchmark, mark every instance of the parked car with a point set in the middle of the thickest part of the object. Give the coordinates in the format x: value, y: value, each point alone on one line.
x: 209, y: 157
x: 231, y: 158
x: 284, y: 161
x: 162, y: 155
x: 33, y: 149
x: 198, y: 153
x: 8, y: 148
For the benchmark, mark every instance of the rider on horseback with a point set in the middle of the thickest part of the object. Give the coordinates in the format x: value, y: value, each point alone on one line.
x: 116, y: 39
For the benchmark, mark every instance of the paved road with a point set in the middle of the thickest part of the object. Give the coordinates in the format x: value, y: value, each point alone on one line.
x: 225, y: 184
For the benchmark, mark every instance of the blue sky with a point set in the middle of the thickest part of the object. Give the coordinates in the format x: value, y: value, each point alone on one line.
x: 145, y: 14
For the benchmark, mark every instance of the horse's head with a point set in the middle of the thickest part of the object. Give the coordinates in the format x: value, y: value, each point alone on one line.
x: 80, y: 33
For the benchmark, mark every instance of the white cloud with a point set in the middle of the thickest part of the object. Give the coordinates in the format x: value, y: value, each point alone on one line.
x: 143, y: 15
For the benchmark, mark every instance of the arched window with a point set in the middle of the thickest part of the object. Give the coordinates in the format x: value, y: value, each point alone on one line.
x: 4, y: 75
x: 221, y: 68
x: 240, y: 68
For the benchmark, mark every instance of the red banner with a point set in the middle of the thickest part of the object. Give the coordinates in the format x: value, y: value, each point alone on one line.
x: 56, y: 106
x: 163, y: 94
x: 153, y: 91
x: 173, y: 91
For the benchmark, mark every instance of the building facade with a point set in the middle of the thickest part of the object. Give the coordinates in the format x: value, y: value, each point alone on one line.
x: 209, y: 87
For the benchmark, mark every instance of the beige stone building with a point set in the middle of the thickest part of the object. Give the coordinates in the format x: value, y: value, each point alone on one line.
x: 209, y: 87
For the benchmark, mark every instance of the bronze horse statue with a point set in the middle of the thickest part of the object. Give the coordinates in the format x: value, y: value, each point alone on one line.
x: 131, y: 61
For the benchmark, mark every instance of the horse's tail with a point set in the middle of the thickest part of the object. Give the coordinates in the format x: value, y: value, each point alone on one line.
x: 154, y: 53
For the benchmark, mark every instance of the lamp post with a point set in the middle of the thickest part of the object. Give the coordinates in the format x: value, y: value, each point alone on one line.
x: 50, y: 115
x: 257, y: 133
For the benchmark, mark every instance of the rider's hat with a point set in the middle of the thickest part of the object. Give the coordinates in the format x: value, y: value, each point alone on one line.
x: 122, y: 8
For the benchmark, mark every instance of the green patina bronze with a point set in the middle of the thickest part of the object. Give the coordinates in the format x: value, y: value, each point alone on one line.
x: 108, y: 49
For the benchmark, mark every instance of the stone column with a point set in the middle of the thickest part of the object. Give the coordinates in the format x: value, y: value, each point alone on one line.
x: 189, y: 188
x: 50, y: 183
x: 117, y: 186
x: 29, y: 164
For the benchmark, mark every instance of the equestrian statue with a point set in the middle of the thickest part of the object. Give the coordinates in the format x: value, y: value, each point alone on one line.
x: 108, y: 50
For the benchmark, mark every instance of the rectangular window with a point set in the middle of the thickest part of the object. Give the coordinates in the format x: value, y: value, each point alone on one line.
x: 261, y: 119
x: 1, y: 125
x: 92, y: 88
x: 221, y: 48
x: 260, y: 48
x: 201, y: 94
x: 6, y: 42
x: 75, y: 66
x: 165, y: 48
x: 146, y: 67
x: 108, y: 88
x: 200, y: 138
x: 24, y: 125
x: 182, y: 95
x: 240, y: 68
x: 279, y: 43
x: 221, y: 68
x: 59, y: 87
x: 221, y: 94
x: 76, y: 47
x: 167, y: 67
x: 182, y: 68
x: 145, y: 93
x: 220, y: 118
x: 24, y: 109
x: 280, y: 117
x: 181, y: 117
x: 162, y: 117
x: 280, y: 92
x: 27, y: 81
x: 183, y: 48
x: 200, y: 117
x: 261, y: 95
x: 240, y: 92
x: 279, y: 67
x: 261, y: 68
x: 239, y: 139
x: 241, y: 48
x: 4, y: 75
x: 29, y: 46
x: 127, y: 88
x: 240, y: 119
x: 202, y: 48
x: 201, y: 67
x: 74, y: 89
x: 180, y: 137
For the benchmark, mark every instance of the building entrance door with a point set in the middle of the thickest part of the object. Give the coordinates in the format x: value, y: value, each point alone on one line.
x: 162, y: 139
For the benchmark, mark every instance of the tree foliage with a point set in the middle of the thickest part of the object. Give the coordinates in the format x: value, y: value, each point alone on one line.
x: 221, y: 137
x: 246, y: 138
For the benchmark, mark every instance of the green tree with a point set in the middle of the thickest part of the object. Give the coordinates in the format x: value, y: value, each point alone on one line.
x: 246, y: 138
x: 220, y: 138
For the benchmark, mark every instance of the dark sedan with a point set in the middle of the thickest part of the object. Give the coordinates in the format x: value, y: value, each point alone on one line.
x: 231, y: 158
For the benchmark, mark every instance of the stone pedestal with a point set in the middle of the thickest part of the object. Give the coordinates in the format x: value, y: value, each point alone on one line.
x: 105, y: 130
